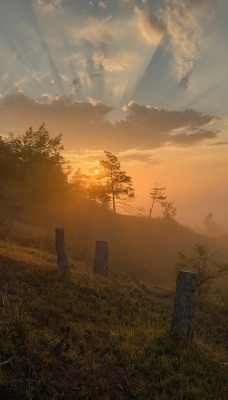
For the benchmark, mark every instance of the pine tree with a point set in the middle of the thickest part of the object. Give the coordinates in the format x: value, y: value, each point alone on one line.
x: 157, y: 195
x: 119, y: 184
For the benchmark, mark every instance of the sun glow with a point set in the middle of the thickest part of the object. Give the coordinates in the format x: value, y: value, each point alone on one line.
x: 96, y: 171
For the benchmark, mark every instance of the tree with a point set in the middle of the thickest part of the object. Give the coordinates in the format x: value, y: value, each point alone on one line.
x: 36, y: 146
x: 211, y: 227
x: 78, y: 183
x: 37, y: 160
x: 209, y: 222
x: 169, y: 209
x: 10, y: 165
x: 205, y: 264
x: 85, y: 185
x: 157, y: 195
x: 118, y: 184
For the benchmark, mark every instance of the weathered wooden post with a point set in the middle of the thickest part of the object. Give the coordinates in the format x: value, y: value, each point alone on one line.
x: 101, y: 258
x: 61, y: 251
x: 182, y: 322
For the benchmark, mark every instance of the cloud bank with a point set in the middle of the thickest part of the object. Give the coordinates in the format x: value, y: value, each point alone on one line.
x: 85, y: 124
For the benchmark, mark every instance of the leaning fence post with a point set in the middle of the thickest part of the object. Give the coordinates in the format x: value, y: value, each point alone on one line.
x: 101, y: 258
x: 61, y: 251
x: 182, y: 322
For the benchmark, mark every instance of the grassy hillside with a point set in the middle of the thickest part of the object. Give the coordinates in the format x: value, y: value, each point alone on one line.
x: 90, y: 338
x: 145, y: 249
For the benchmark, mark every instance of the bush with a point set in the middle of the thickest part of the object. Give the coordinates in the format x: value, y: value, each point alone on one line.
x: 204, y: 264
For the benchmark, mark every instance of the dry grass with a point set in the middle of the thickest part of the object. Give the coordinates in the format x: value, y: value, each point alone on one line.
x: 85, y: 337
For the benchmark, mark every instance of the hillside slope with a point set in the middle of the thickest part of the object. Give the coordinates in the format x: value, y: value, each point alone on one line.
x: 85, y: 337
x: 144, y: 248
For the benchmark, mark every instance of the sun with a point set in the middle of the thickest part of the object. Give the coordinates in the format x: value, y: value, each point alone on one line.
x: 96, y: 171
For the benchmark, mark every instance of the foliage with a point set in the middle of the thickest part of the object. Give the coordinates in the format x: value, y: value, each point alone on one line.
x: 118, y: 184
x: 211, y: 227
x: 86, y: 185
x: 34, y: 159
x: 169, y: 209
x: 208, y: 220
x: 157, y: 195
x: 204, y: 264
x: 93, y: 338
x: 35, y: 146
x: 10, y: 164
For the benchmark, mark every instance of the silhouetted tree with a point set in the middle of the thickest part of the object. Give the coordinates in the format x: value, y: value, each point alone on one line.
x: 208, y: 220
x: 35, y: 159
x: 10, y: 165
x: 211, y: 227
x: 169, y: 209
x: 157, y: 195
x: 119, y: 187
x: 205, y: 264
x: 86, y: 185
x: 78, y: 182
x: 35, y: 146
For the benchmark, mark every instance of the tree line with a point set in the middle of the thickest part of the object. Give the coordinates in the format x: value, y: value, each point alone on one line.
x: 35, y: 160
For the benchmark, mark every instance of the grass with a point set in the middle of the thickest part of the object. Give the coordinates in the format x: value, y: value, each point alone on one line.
x: 144, y: 248
x: 87, y: 337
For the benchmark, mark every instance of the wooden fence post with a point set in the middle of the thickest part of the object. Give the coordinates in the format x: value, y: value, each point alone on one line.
x: 101, y: 258
x: 61, y: 251
x: 182, y: 322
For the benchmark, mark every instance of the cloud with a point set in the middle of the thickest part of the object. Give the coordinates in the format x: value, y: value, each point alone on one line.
x: 186, y: 139
x: 102, y: 4
x: 148, y: 127
x: 151, y: 28
x: 86, y: 158
x: 96, y: 31
x: 164, y: 120
x: 49, y: 5
x: 218, y: 144
x: 73, y: 40
x: 65, y: 78
x: 138, y: 156
x: 113, y: 63
x: 85, y: 124
x: 181, y: 22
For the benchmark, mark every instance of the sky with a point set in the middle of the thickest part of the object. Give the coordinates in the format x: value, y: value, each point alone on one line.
x: 144, y: 79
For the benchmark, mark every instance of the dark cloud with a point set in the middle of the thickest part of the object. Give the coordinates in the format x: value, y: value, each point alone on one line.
x: 147, y: 127
x: 186, y: 139
x: 185, y: 81
x: 157, y: 24
x: 140, y: 157
x: 218, y: 144
x: 75, y: 82
x: 85, y: 124
x: 164, y: 120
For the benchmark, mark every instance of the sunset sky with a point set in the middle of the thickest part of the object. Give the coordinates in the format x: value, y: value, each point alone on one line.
x: 146, y: 79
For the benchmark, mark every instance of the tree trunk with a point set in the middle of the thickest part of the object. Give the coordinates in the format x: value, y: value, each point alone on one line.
x: 182, y: 322
x: 101, y: 258
x: 114, y: 204
x: 151, y: 208
x: 61, y: 251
